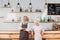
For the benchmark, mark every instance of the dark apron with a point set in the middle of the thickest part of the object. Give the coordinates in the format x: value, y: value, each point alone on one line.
x: 23, y: 34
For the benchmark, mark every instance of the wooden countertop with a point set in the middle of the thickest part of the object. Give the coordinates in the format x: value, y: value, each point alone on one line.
x: 51, y: 35
x: 51, y: 32
x: 11, y: 31
x: 15, y: 34
x: 16, y: 31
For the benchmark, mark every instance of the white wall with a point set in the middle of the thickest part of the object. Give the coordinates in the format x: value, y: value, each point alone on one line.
x: 36, y: 4
x: 53, y: 1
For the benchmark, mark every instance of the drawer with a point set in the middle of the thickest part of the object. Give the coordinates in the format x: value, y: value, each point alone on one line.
x: 10, y: 35
x: 5, y: 36
x: 14, y: 36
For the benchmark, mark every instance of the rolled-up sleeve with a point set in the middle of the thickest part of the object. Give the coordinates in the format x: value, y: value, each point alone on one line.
x: 28, y: 28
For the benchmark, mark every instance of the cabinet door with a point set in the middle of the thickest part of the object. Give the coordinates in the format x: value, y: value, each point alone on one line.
x: 14, y: 36
x: 5, y: 36
x: 52, y: 39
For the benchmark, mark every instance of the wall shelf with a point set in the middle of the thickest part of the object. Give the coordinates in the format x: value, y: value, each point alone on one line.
x: 1, y: 16
x: 11, y: 22
x: 14, y: 22
x: 17, y: 21
x: 5, y: 7
x: 50, y: 22
x: 26, y: 12
x: 29, y: 22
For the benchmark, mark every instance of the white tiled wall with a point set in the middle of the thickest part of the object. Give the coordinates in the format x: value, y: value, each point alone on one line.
x: 36, y: 4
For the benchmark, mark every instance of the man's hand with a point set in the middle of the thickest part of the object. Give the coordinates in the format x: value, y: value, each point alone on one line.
x: 24, y: 29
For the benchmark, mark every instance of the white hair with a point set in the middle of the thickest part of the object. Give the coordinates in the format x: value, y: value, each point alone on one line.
x: 36, y: 21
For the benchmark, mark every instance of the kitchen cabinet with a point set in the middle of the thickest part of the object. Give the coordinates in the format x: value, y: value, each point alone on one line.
x: 51, y: 35
x: 14, y: 35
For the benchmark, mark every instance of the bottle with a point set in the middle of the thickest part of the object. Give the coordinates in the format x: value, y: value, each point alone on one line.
x: 50, y: 19
x: 12, y: 20
x: 19, y: 18
x: 5, y: 5
x: 12, y: 10
x: 20, y: 9
x: 40, y: 19
x: 44, y: 19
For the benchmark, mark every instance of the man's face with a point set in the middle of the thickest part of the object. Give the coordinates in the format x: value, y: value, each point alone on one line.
x: 36, y: 23
x: 25, y: 18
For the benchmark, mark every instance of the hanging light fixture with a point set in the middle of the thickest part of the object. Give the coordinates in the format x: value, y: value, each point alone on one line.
x: 18, y: 4
x: 30, y: 6
x: 8, y: 3
x: 20, y: 8
x: 45, y: 2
